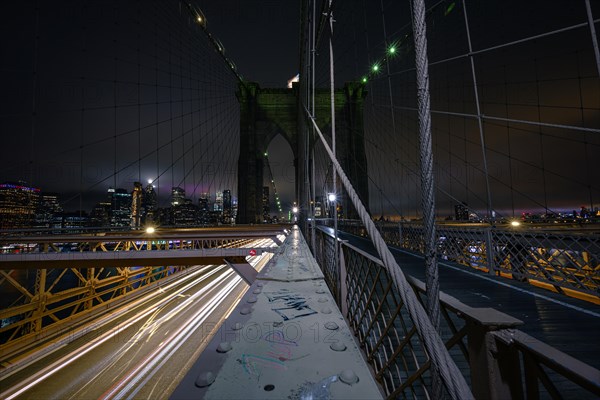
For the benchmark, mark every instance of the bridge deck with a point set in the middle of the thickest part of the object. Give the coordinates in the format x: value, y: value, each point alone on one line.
x: 568, y: 324
x: 287, y: 339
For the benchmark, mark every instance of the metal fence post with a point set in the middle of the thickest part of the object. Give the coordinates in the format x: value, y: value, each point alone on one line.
x: 495, y: 367
x: 400, y: 235
x: 343, y: 289
x: 489, y: 251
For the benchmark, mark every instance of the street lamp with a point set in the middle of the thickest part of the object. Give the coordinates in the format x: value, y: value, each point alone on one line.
x: 150, y: 230
x: 331, y: 197
x: 295, y: 210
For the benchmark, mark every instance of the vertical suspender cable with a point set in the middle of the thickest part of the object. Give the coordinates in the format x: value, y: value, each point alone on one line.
x: 490, y: 212
x: 181, y: 109
x: 312, y: 109
x: 508, y: 143
x: 427, y: 182
x: 333, y: 146
x: 82, y: 127
x: 305, y: 131
x: 597, y: 54
x: 156, y: 107
x: 541, y: 136
x: 139, y: 96
x: 171, y: 111
x: 585, y: 138
x: 588, y: 9
x: 34, y: 94
x: 116, y: 76
x: 390, y: 93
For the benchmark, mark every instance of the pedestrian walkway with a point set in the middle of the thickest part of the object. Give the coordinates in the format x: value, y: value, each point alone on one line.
x: 285, y: 339
x: 565, y: 323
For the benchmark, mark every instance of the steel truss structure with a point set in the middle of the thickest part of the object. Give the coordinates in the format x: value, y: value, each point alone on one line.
x: 51, y: 284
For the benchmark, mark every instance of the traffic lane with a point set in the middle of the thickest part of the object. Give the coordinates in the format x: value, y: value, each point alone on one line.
x: 83, y: 359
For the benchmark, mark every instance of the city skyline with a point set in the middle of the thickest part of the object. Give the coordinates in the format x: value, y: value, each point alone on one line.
x: 117, y: 98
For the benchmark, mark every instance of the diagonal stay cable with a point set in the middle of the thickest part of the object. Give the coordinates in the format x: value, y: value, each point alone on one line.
x: 451, y: 375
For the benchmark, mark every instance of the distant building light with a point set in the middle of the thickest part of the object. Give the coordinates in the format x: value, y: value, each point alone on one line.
x: 18, y: 187
x: 291, y: 81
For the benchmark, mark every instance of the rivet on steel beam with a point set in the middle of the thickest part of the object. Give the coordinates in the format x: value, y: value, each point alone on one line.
x: 348, y: 376
x: 224, y: 347
x: 331, y: 325
x: 245, y: 310
x: 338, y: 346
x: 205, y: 379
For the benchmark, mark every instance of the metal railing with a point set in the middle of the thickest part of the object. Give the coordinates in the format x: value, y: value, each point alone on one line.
x: 51, y: 283
x: 50, y: 302
x: 563, y: 262
x: 491, y: 354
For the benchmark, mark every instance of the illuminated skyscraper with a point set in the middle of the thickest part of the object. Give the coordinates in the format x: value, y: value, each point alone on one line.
x: 48, y: 212
x: 18, y: 205
x: 204, y: 208
x: 227, y: 209
x: 149, y: 203
x: 219, y: 202
x: 136, y: 205
x: 100, y: 215
x: 177, y: 196
x: 120, y: 212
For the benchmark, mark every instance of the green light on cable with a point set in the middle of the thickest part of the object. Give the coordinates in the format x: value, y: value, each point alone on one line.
x: 375, y: 68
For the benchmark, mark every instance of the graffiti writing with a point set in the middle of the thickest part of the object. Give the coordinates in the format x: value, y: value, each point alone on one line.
x: 294, y: 304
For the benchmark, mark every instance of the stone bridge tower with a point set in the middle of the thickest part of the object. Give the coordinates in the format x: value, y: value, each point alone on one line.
x: 266, y: 113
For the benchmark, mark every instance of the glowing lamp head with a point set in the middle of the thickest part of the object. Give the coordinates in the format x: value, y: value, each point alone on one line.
x: 515, y: 223
x: 199, y: 19
x: 332, y: 197
x: 392, y: 50
x: 376, y: 68
x: 150, y: 230
x: 295, y: 210
x: 364, y: 79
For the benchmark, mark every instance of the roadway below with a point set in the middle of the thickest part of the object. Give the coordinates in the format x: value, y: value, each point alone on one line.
x: 145, y: 349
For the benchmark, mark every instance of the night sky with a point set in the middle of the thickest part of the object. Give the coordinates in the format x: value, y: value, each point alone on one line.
x: 94, y: 87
